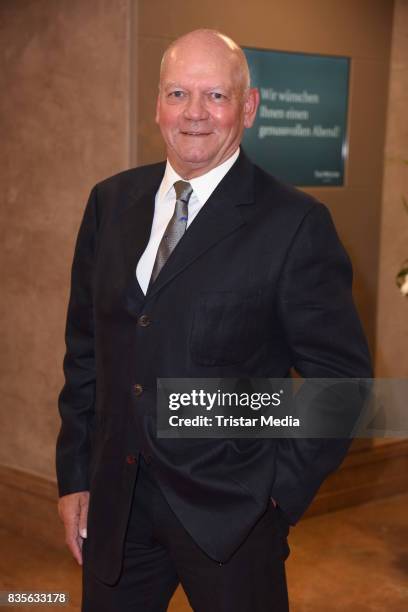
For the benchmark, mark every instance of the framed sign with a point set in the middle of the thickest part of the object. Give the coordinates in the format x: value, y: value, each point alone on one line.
x: 299, y: 134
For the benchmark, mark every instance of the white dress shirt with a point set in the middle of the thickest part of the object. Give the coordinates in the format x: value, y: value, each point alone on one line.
x: 164, y: 205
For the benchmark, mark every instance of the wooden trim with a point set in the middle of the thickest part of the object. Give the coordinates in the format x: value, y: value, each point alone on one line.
x: 29, y: 506
x: 368, y: 473
x: 28, y: 483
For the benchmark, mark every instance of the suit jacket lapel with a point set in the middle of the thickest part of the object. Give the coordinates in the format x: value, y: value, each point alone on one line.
x: 219, y: 217
x: 136, y: 222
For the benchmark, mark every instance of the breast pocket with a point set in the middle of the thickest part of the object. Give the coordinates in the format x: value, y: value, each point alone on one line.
x: 227, y: 327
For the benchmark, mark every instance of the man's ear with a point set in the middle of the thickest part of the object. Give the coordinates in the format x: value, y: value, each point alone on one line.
x: 251, y: 106
x: 157, y: 116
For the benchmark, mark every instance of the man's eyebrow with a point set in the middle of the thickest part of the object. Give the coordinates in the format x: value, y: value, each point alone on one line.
x: 223, y: 87
x: 170, y: 84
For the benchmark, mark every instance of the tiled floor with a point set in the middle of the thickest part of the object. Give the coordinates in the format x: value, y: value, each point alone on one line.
x: 353, y: 560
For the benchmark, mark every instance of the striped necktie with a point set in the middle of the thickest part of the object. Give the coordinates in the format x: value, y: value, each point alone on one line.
x: 175, y: 228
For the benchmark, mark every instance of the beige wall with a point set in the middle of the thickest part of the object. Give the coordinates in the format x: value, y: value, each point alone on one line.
x: 64, y: 125
x: 81, y: 79
x: 392, y: 321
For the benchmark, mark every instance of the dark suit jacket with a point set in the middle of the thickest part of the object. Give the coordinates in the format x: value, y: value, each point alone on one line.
x: 258, y: 284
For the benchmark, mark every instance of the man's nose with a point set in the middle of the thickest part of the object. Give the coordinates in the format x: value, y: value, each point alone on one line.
x: 195, y: 108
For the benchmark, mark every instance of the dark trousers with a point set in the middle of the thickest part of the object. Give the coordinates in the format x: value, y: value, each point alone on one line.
x: 159, y: 554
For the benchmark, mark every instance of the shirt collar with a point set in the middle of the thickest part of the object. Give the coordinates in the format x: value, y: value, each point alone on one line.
x: 203, y: 185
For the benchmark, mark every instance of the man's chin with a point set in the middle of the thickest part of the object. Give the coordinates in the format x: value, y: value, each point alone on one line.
x: 195, y: 159
x: 195, y: 155
x: 195, y: 149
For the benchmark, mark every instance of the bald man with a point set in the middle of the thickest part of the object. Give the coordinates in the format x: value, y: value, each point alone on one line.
x: 202, y: 266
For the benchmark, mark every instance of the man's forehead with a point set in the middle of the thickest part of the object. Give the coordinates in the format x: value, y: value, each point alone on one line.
x: 204, y: 42
x: 200, y: 56
x: 200, y: 49
x: 205, y: 53
x: 199, y: 66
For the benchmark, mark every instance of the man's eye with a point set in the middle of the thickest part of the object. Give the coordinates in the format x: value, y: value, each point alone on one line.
x: 216, y: 95
x: 176, y: 94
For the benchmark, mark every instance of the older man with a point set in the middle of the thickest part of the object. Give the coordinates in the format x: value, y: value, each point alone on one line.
x: 201, y: 267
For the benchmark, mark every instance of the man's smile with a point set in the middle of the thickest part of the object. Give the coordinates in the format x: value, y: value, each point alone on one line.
x: 195, y: 133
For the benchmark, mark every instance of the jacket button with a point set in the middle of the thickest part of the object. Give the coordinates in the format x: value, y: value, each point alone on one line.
x: 138, y: 390
x: 144, y: 321
x: 131, y: 459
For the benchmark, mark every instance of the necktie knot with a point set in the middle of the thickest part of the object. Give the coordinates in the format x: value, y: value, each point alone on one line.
x: 183, y: 191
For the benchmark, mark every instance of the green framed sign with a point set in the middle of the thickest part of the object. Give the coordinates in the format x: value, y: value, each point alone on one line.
x: 300, y: 131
